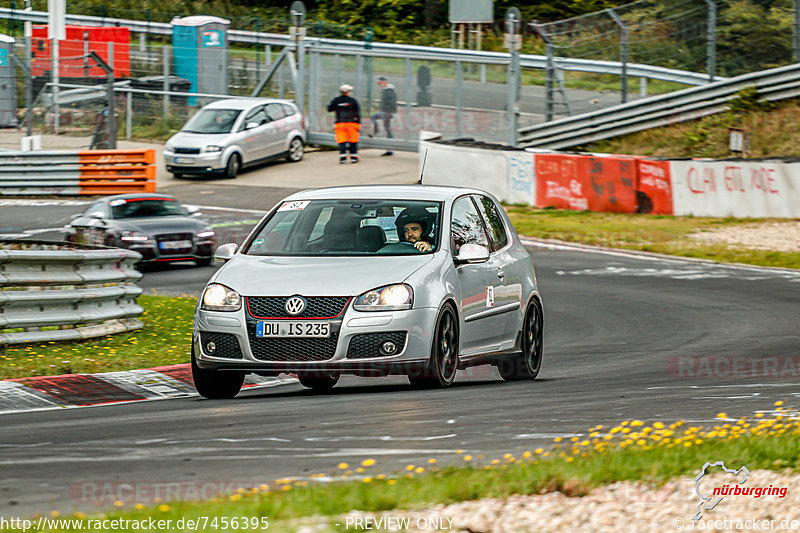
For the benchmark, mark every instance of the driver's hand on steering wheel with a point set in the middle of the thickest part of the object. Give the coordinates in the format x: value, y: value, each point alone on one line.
x: 422, y: 246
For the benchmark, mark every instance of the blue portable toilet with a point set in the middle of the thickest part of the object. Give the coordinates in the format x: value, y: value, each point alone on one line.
x: 200, y: 49
x: 8, y: 83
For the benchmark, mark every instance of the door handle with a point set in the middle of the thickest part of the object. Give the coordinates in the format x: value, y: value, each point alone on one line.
x: 500, y: 273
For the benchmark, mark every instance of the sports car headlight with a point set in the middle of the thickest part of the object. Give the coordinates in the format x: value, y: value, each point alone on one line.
x: 388, y: 298
x: 220, y: 298
x: 133, y: 236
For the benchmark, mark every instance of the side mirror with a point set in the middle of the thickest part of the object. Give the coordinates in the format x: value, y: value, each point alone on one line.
x: 192, y: 210
x: 76, y: 215
x: 97, y: 215
x: 225, y: 252
x: 251, y: 125
x: 470, y: 254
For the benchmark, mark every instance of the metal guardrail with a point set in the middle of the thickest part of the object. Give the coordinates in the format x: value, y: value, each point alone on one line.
x: 680, y: 106
x: 77, y: 172
x: 390, y: 50
x: 79, y: 292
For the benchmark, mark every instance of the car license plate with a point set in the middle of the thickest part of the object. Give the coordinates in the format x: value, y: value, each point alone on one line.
x: 285, y: 328
x: 184, y: 160
x: 174, y: 245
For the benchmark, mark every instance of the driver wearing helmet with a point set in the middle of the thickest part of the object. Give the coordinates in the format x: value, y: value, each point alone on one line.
x: 412, y: 227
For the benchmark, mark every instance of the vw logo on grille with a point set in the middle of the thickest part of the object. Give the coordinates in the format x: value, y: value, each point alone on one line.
x: 295, y: 305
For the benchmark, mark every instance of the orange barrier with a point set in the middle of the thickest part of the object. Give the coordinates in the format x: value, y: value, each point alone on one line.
x: 117, y: 171
x: 654, y: 186
x: 581, y: 182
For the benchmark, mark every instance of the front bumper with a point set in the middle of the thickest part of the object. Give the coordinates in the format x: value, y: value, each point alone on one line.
x: 194, y: 163
x: 351, y: 355
x: 151, y: 253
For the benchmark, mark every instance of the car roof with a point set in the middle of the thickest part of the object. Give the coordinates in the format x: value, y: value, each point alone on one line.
x: 434, y: 193
x: 243, y: 103
x: 131, y: 195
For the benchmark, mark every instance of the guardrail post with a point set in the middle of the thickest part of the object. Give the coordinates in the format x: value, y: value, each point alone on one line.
x: 112, y: 115
x: 29, y: 84
x: 513, y: 21
x: 548, y: 82
x: 166, y: 69
x: 711, y: 44
x: 459, y: 82
x: 54, y: 75
x: 409, y: 96
x: 128, y: 115
x: 623, y: 44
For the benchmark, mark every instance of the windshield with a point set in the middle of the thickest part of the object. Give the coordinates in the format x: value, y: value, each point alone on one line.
x: 212, y: 121
x: 145, y: 207
x: 350, y: 227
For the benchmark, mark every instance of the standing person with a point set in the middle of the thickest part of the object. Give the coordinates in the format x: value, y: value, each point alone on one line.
x: 348, y: 123
x: 388, y: 109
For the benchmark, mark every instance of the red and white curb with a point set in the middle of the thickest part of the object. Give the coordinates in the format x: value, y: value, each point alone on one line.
x: 85, y: 390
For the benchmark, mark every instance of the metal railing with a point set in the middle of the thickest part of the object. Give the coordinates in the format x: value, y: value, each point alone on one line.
x: 688, y: 104
x: 74, y: 291
x: 390, y: 50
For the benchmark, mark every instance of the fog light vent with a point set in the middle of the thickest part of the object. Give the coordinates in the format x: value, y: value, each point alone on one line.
x: 210, y: 348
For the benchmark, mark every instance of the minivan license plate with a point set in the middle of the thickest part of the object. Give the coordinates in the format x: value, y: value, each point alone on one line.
x: 184, y: 160
x: 293, y: 329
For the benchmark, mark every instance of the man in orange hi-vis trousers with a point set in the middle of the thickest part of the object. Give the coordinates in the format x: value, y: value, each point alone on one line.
x: 348, y: 123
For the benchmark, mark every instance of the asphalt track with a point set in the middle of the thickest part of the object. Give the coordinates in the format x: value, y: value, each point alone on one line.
x: 625, y: 337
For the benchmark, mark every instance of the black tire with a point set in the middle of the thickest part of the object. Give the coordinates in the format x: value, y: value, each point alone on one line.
x: 319, y: 383
x: 203, y: 261
x: 526, y: 365
x: 233, y: 166
x: 296, y: 150
x: 216, y: 384
x: 442, y: 366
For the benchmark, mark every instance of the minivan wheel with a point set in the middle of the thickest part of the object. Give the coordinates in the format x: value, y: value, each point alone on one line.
x: 216, y: 384
x: 526, y: 365
x: 296, y: 150
x: 320, y: 384
x: 443, y: 363
x: 233, y: 166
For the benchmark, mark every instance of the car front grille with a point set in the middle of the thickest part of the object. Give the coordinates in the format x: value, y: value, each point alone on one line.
x: 187, y: 150
x: 165, y: 237
x: 225, y: 345
x: 316, y: 307
x: 293, y: 350
x: 367, y: 345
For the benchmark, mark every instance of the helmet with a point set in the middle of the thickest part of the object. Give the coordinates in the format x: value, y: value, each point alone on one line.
x: 413, y: 214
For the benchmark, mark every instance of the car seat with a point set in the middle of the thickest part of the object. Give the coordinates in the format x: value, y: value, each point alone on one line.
x: 340, y: 234
x: 371, y: 238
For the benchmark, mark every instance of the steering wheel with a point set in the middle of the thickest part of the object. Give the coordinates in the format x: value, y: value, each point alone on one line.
x: 401, y: 247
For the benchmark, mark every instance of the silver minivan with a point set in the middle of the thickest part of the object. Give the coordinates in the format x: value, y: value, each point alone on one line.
x: 228, y: 135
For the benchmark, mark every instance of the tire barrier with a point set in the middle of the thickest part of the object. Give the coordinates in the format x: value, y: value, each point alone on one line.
x: 58, y: 291
x: 617, y: 183
x: 77, y: 172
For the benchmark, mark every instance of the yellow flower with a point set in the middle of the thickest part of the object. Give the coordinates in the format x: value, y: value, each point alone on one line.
x: 391, y: 482
x: 468, y: 458
x: 410, y: 467
x: 237, y: 497
x: 367, y: 480
x: 778, y: 403
x: 722, y: 415
x: 118, y: 503
x: 368, y: 462
x: 343, y: 466
x: 431, y: 461
x: 419, y: 470
x: 163, y: 507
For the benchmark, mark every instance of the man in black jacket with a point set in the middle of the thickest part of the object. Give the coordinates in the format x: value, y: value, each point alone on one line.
x: 388, y: 108
x: 348, y: 123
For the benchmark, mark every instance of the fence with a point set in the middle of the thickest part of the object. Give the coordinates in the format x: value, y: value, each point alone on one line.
x: 59, y: 292
x: 80, y: 172
x: 689, y: 104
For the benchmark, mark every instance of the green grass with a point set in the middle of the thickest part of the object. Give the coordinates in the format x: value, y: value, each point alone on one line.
x: 165, y: 340
x: 632, y: 451
x: 652, y: 233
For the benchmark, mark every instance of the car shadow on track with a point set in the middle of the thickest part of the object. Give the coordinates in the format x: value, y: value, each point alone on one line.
x: 344, y: 390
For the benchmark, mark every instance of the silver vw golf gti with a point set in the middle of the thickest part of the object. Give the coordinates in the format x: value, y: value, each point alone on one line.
x: 371, y: 280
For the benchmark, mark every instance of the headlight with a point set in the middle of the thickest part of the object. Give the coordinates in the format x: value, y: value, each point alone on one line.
x: 133, y: 236
x: 213, y: 148
x: 169, y: 147
x: 220, y: 298
x: 388, y: 298
x: 205, y: 233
